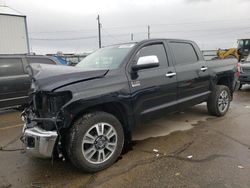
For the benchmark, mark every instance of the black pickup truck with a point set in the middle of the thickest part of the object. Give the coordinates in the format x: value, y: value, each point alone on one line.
x: 88, y: 112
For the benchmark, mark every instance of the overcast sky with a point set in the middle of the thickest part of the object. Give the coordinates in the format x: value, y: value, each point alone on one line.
x: 71, y: 26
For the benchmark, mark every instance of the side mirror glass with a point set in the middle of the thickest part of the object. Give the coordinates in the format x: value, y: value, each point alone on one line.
x: 146, y: 62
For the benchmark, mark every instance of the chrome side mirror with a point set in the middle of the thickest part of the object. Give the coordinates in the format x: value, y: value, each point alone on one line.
x: 146, y: 62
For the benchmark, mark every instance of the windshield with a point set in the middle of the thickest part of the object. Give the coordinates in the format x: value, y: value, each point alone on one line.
x: 106, y: 58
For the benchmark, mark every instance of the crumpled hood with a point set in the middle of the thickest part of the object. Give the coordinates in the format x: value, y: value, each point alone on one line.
x: 51, y: 77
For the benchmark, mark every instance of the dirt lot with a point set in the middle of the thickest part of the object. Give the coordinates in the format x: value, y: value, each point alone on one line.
x: 194, y: 150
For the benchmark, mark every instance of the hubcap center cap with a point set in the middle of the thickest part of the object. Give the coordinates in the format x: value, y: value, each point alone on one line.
x: 100, y: 142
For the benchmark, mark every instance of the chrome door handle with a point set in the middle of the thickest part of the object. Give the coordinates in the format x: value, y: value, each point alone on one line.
x: 203, y: 68
x: 170, y: 74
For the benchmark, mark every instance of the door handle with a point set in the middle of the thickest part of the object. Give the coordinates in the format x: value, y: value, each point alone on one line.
x: 170, y: 74
x: 203, y: 69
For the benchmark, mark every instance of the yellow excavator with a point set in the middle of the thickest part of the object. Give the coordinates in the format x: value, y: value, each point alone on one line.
x: 241, y: 52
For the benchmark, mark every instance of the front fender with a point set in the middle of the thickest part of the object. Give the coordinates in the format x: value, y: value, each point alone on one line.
x: 77, y: 107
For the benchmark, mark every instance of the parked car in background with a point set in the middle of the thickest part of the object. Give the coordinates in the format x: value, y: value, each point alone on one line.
x: 14, y: 79
x: 89, y: 111
x: 244, y: 72
x: 69, y: 59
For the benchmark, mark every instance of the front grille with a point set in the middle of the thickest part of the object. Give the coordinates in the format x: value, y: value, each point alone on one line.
x: 246, y: 69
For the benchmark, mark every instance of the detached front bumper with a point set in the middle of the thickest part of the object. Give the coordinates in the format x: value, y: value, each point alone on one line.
x: 39, y: 142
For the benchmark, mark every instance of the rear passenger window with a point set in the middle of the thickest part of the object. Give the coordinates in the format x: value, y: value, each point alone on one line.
x: 155, y: 49
x: 11, y: 66
x: 184, y: 53
x: 40, y: 60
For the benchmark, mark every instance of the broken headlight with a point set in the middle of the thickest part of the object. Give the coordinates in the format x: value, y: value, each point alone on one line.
x: 47, y: 106
x: 57, y: 100
x: 49, y: 103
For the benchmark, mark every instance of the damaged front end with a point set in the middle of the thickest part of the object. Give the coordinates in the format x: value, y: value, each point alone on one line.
x: 45, y: 118
x: 43, y: 122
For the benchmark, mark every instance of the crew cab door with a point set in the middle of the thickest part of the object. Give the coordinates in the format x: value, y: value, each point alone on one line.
x: 192, y: 73
x: 14, y: 82
x: 153, y: 89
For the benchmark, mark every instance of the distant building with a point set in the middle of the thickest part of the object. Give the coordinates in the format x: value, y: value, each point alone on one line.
x: 13, y: 32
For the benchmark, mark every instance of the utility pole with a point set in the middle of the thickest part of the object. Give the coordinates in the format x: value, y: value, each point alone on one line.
x: 99, y: 31
x: 148, y: 31
x: 132, y: 36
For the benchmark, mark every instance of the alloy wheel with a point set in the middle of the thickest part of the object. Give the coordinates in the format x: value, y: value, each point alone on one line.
x: 99, y: 143
x: 223, y: 101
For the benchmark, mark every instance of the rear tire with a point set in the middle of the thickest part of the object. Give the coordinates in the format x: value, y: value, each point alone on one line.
x: 219, y: 101
x: 95, y: 141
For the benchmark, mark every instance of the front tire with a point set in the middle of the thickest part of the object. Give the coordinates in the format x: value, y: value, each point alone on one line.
x: 219, y: 101
x: 95, y: 141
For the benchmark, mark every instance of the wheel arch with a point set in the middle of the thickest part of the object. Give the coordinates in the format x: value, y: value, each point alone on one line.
x: 121, y: 111
x: 226, y: 81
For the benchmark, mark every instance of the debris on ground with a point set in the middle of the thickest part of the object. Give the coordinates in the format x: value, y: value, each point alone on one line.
x: 177, y: 174
x: 247, y: 106
x: 157, y: 155
x: 155, y: 150
x: 190, y: 156
x: 240, y: 167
